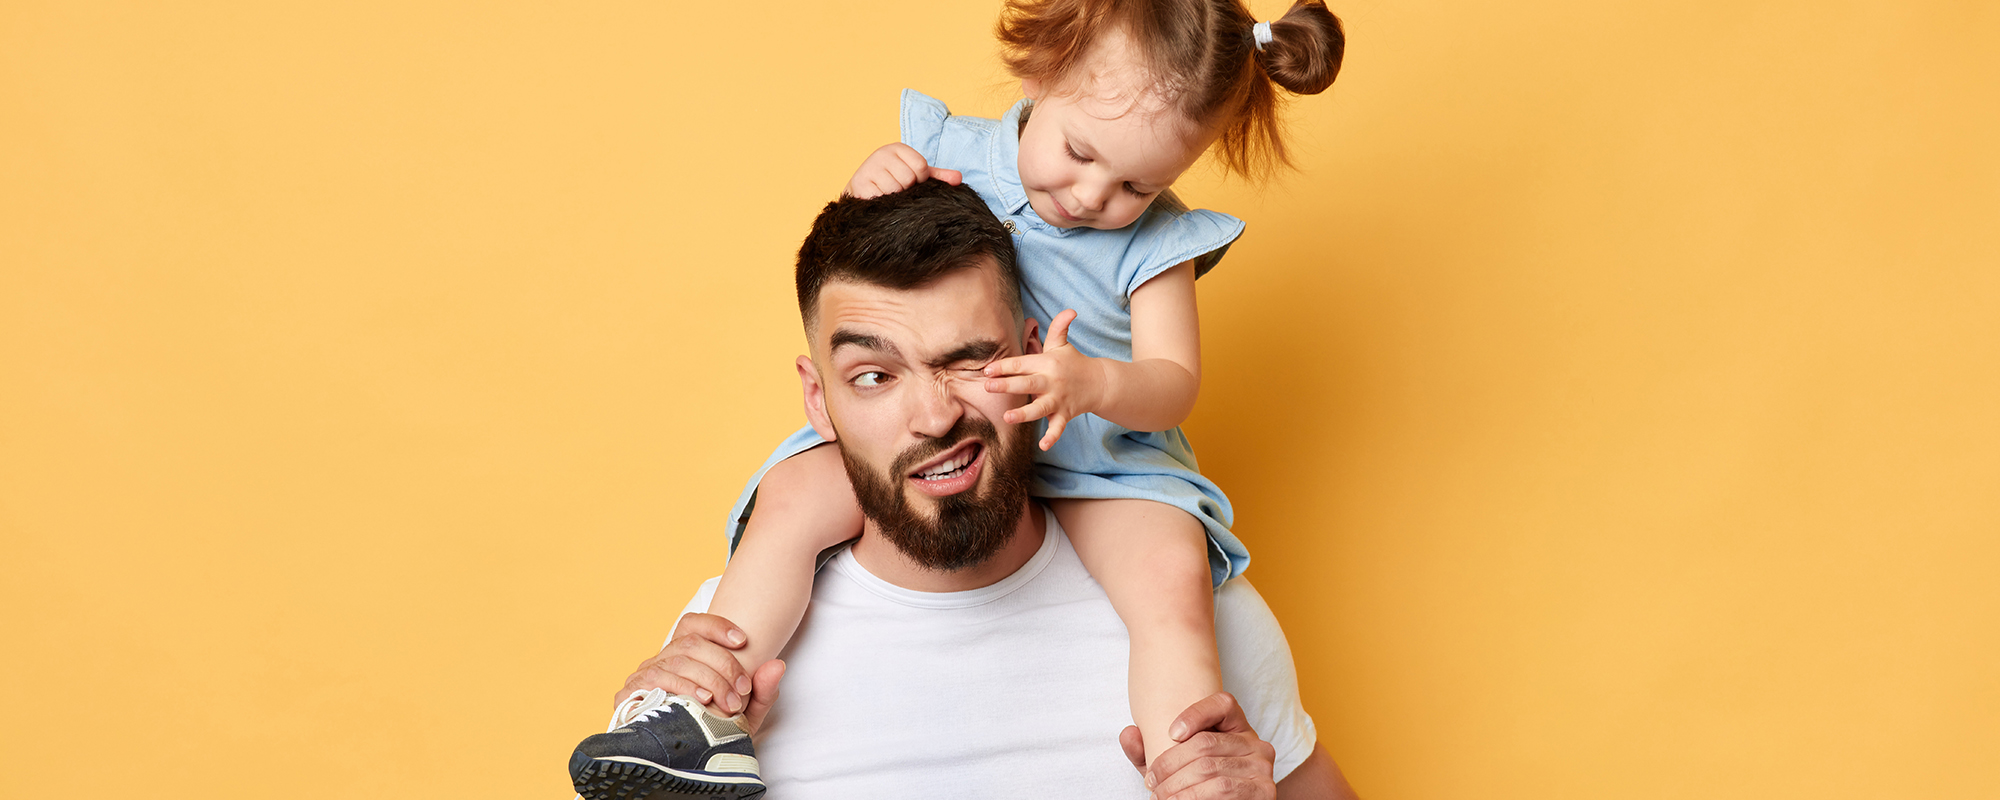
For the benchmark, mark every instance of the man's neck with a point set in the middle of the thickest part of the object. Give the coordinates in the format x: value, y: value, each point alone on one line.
x: 881, y: 558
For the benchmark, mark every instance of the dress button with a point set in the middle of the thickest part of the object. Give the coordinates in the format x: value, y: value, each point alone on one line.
x: 1011, y: 227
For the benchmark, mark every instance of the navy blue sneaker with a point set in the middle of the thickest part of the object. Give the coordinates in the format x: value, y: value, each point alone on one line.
x: 667, y: 747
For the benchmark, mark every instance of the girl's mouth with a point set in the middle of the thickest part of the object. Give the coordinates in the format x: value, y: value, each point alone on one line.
x: 1063, y: 212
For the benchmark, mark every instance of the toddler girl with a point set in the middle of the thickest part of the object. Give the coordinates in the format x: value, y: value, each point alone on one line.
x: 1123, y: 96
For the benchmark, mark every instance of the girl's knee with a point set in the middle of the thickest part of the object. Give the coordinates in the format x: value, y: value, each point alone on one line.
x: 1183, y: 560
x: 808, y: 496
x: 812, y: 477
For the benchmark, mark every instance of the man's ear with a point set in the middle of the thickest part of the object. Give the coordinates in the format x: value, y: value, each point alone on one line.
x: 815, y: 393
x: 1031, y: 336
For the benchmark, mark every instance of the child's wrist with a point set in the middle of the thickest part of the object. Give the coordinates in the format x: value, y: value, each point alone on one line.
x: 1098, y: 390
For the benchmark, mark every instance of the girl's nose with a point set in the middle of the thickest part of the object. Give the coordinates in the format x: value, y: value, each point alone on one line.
x: 1091, y: 195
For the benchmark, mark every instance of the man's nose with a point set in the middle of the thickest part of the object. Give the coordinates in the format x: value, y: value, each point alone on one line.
x: 937, y: 407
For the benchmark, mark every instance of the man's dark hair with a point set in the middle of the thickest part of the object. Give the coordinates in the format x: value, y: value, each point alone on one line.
x: 902, y: 241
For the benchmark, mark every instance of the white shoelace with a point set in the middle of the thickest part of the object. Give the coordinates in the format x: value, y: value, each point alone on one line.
x: 640, y: 705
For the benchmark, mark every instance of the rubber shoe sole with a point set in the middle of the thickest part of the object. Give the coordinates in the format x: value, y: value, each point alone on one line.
x: 640, y: 780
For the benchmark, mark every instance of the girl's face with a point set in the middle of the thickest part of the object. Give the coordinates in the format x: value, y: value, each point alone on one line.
x: 1096, y: 153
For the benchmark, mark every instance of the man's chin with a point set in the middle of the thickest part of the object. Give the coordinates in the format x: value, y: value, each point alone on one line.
x: 961, y: 529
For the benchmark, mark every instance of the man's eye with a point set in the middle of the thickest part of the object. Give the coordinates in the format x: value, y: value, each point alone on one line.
x: 1072, y: 154
x: 870, y: 379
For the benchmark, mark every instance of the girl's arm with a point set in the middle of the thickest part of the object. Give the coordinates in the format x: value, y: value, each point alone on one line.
x: 1155, y: 391
x: 892, y: 168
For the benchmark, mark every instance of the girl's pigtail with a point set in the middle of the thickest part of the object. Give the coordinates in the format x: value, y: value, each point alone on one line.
x: 1305, y: 48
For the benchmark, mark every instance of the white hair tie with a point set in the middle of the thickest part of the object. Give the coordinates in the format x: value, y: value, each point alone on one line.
x: 1262, y: 32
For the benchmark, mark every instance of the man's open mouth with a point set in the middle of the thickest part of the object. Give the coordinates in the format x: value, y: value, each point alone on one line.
x: 952, y: 471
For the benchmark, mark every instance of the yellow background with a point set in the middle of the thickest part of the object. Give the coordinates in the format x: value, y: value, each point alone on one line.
x: 1611, y: 401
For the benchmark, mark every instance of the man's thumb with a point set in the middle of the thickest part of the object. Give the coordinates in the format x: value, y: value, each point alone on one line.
x: 1217, y: 712
x: 763, y: 692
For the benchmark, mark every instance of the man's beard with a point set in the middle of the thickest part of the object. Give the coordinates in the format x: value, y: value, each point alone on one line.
x: 970, y: 526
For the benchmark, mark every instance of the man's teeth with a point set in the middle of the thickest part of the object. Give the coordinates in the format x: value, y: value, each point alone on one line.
x: 947, y: 468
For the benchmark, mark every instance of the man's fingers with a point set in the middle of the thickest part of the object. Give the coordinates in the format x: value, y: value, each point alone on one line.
x: 701, y: 649
x: 1217, y: 712
x: 720, y: 688
x: 1219, y: 755
x: 1134, y: 746
x: 766, y: 693
x: 703, y: 638
x: 1224, y: 783
x: 1204, y: 746
x: 1168, y: 784
x: 713, y: 628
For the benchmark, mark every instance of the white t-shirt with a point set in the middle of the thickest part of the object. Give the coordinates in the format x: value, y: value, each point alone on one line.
x: 1011, y: 690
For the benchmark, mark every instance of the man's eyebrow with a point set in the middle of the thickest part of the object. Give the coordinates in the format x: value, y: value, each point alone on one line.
x: 845, y: 337
x: 982, y: 350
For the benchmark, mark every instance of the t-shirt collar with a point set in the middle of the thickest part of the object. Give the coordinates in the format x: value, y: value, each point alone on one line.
x: 846, y: 564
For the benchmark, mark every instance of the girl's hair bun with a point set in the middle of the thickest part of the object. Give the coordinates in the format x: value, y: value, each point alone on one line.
x: 1202, y: 53
x: 1305, y: 49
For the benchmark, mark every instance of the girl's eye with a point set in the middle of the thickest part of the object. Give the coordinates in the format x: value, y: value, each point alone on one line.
x: 1067, y: 150
x: 1134, y: 192
x: 870, y: 379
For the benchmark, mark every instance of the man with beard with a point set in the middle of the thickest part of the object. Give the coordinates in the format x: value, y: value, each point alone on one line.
x: 958, y: 648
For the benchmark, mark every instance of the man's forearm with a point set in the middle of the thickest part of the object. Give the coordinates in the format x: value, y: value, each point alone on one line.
x: 1317, y: 778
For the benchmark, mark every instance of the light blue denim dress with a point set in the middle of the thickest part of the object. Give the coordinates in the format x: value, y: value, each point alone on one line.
x: 1094, y: 272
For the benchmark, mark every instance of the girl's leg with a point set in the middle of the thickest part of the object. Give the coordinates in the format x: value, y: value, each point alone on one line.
x: 804, y: 505
x: 1152, y: 559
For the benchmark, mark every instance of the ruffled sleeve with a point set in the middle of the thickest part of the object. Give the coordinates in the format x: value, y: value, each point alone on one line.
x: 1170, y: 234
x: 923, y: 123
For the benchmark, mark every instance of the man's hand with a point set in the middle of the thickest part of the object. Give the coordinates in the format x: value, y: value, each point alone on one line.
x: 893, y: 168
x: 697, y: 663
x: 1219, y: 756
x: 1066, y: 383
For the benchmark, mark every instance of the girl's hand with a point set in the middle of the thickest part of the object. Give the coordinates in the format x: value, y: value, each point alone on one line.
x: 1066, y: 383
x: 893, y: 168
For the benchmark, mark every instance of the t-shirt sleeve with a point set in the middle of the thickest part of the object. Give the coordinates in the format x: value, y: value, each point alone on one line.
x: 1257, y: 668
x: 1171, y: 234
x: 923, y: 124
